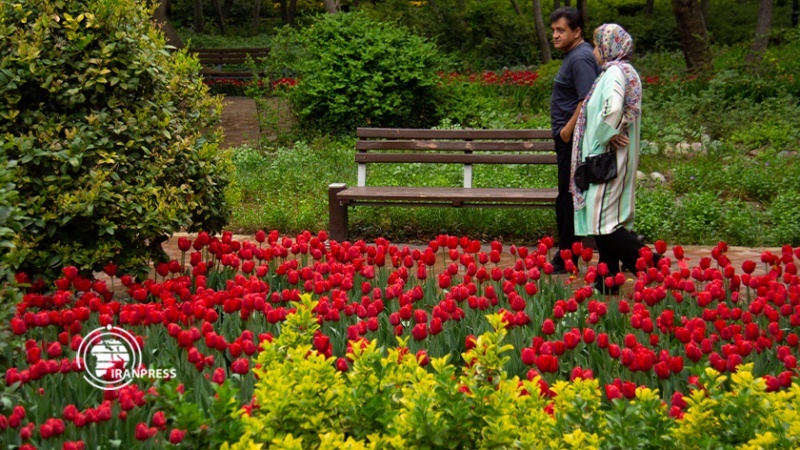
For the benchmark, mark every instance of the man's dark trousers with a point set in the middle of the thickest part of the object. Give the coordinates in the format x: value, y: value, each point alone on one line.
x: 565, y: 213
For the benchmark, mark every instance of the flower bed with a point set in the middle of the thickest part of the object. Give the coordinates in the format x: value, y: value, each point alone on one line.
x: 325, y: 342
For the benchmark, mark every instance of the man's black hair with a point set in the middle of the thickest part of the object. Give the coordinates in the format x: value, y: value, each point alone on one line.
x: 573, y: 16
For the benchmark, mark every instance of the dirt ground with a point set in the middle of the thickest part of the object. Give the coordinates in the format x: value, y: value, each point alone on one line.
x: 241, y: 124
x: 240, y: 121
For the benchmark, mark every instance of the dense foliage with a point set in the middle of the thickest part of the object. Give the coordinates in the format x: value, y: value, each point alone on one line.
x: 355, y: 71
x: 10, y: 218
x: 113, y: 135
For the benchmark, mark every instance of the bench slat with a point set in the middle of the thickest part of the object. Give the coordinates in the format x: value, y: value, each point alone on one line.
x: 450, y: 195
x: 213, y: 58
x: 454, y: 158
x: 423, y: 133
x: 230, y: 51
x: 213, y: 73
x: 506, y: 146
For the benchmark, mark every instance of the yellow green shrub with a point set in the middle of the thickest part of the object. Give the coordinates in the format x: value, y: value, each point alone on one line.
x: 388, y: 399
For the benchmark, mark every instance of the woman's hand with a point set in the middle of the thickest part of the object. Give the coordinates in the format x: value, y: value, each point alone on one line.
x: 620, y: 141
x: 565, y: 134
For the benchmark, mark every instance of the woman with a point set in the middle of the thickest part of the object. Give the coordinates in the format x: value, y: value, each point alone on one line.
x: 610, y: 120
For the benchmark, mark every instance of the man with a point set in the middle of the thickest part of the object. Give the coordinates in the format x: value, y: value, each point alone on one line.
x: 573, y: 82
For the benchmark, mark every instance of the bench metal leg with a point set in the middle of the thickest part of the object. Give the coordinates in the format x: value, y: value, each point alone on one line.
x: 337, y: 213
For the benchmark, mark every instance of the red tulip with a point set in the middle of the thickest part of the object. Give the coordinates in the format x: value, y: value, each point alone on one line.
x: 142, y: 432
x: 422, y: 358
x: 548, y: 327
x: 628, y: 389
x: 612, y: 392
x: 528, y: 356
x: 159, y: 420
x: 547, y: 363
x: 676, y: 364
x: 419, y: 332
x: 70, y: 411
x: 240, y: 366
x: 71, y: 272
x: 54, y: 350
x: 176, y: 436
x: 219, y: 375
x: 602, y: 340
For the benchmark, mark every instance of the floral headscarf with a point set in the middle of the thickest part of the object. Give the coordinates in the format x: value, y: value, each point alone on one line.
x: 616, y: 48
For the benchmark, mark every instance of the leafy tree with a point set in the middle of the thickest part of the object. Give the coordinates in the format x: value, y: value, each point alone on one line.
x: 113, y: 135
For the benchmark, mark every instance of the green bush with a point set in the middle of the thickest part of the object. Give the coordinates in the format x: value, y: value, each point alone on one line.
x: 699, y: 215
x: 10, y: 218
x: 466, y: 104
x: 356, y: 71
x: 784, y: 213
x: 114, y: 135
x: 653, y: 207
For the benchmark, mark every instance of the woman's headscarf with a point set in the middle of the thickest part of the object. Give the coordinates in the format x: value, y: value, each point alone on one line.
x: 616, y: 48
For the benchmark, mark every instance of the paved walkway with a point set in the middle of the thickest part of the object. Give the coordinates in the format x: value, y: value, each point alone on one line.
x: 692, y: 253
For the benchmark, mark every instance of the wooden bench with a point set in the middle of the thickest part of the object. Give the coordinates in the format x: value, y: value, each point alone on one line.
x: 467, y: 147
x: 214, y: 61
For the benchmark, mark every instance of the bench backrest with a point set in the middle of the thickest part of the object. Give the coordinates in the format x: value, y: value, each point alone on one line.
x: 467, y: 147
x: 219, y: 56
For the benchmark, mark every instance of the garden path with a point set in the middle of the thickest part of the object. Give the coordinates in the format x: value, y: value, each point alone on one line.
x: 239, y: 121
x: 692, y: 253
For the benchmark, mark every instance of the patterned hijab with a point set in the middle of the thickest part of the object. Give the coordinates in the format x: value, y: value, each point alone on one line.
x: 616, y: 48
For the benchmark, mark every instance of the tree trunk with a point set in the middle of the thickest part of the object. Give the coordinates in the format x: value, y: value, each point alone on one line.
x: 292, y: 12
x: 795, y: 12
x: 162, y: 19
x: 284, y: 12
x: 199, y: 23
x: 567, y: 3
x: 649, y: 6
x: 332, y: 6
x: 693, y: 35
x: 516, y: 8
x: 218, y: 16
x: 556, y: 4
x: 541, y: 32
x: 762, y: 33
x: 227, y: 6
x: 581, y: 5
x: 705, y: 5
x: 256, y: 15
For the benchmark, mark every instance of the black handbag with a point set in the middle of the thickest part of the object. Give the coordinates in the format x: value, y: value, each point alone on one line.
x: 596, y: 169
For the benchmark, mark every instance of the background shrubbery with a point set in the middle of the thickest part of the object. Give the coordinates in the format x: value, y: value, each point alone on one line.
x: 356, y: 71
